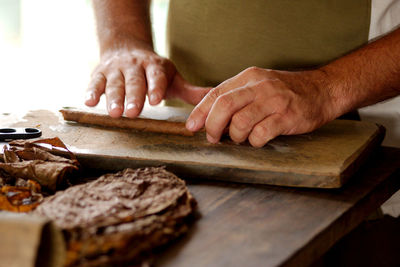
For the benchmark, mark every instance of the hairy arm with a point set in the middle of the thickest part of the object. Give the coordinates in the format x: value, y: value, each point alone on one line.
x: 366, y: 76
x: 129, y: 69
x: 127, y: 21
x: 260, y: 104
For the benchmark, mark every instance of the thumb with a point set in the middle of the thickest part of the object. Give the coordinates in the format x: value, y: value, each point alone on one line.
x: 189, y: 93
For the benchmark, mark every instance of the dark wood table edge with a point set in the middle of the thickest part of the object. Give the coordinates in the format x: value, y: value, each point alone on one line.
x: 336, y: 230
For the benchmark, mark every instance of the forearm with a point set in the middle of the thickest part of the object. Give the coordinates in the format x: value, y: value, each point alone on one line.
x: 366, y: 76
x: 123, y: 23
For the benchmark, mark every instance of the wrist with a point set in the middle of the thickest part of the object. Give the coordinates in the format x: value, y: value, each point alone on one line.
x: 123, y: 23
x: 337, y: 99
x: 111, y: 42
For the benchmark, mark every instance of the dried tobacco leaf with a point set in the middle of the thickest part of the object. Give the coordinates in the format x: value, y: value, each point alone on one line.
x: 120, y: 217
x: 29, y: 160
x: 20, y: 198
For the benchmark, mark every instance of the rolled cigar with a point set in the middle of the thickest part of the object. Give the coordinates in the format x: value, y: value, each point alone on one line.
x: 141, y: 124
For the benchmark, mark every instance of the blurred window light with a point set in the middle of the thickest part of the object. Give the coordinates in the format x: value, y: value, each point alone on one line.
x: 48, y: 49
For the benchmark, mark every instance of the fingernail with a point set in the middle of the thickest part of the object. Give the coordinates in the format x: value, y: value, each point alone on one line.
x: 153, y: 98
x: 190, y: 124
x: 131, y: 106
x: 89, y: 96
x: 211, y: 139
x: 114, y: 106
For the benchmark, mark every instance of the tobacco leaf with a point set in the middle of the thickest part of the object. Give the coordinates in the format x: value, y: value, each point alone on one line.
x: 20, y: 198
x: 52, y: 145
x: 112, y: 198
x: 46, y: 173
x: 30, y: 160
x: 120, y: 217
x: 32, y: 153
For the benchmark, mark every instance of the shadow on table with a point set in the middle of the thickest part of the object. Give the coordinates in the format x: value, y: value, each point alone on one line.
x: 373, y: 243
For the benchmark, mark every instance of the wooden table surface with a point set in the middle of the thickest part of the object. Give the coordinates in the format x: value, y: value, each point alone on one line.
x: 258, y: 225
x: 255, y: 225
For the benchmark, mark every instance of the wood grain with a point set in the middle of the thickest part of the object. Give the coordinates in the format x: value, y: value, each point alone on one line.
x: 244, y: 224
x: 258, y: 225
x: 325, y: 158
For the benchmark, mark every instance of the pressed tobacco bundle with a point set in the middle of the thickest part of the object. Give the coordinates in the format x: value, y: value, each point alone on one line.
x: 120, y: 217
x: 27, y: 167
x: 115, y: 219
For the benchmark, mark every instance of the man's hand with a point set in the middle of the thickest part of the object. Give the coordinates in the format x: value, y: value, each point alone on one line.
x: 127, y: 75
x: 129, y: 68
x: 259, y: 104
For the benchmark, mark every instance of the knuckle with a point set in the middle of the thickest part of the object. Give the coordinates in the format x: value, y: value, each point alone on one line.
x: 97, y: 79
x: 135, y: 80
x: 252, y: 70
x: 213, y: 94
x: 157, y: 61
x: 135, y: 61
x: 115, y: 84
x: 107, y: 63
x: 156, y: 72
x: 266, y: 83
x: 280, y: 101
x: 160, y: 77
x: 283, y: 105
x: 199, y: 112
x: 114, y: 75
x: 242, y: 121
x: 226, y: 102
x: 114, y: 94
x: 237, y: 136
x: 260, y: 132
x: 259, y: 137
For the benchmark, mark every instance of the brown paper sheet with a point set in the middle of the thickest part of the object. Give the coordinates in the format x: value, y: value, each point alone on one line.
x: 27, y: 240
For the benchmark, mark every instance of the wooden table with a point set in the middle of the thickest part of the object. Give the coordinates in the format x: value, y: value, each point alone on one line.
x: 254, y: 225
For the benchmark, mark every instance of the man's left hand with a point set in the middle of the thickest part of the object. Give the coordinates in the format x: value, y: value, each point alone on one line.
x: 260, y: 104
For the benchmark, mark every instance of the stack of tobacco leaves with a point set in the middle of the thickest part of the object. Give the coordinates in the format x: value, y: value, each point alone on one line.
x: 18, y: 195
x: 27, y: 167
x: 113, y: 220
x: 120, y: 217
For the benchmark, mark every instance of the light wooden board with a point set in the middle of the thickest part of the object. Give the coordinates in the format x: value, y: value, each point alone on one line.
x: 325, y: 158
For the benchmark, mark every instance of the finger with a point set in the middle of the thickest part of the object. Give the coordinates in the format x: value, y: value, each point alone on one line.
x: 199, y: 114
x: 266, y: 130
x: 95, y: 89
x: 115, y: 94
x: 244, y: 120
x: 239, y: 80
x: 224, y: 108
x: 189, y: 93
x: 135, y: 90
x: 157, y: 83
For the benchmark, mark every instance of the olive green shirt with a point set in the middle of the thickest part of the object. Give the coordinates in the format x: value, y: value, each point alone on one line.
x: 213, y: 40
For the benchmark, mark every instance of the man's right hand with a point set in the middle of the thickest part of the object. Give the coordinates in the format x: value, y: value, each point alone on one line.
x: 126, y: 76
x: 129, y: 69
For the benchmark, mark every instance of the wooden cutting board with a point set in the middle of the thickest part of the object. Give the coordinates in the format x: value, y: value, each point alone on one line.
x: 325, y: 158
